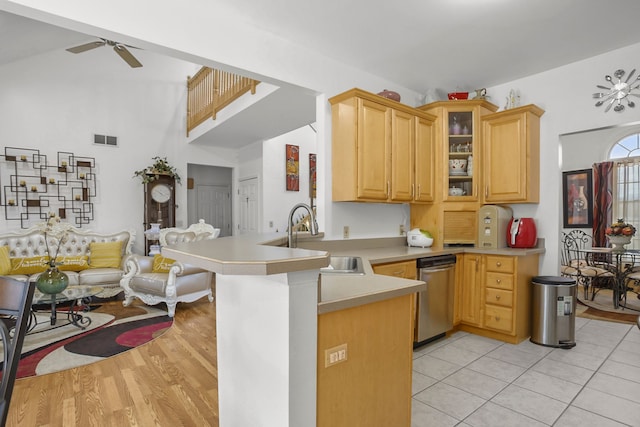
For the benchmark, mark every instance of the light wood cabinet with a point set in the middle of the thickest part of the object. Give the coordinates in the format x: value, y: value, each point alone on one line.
x: 511, y: 155
x: 372, y: 387
x: 459, y: 136
x: 403, y: 269
x: 381, y: 151
x: 496, y: 295
x: 471, y: 287
x: 425, y: 142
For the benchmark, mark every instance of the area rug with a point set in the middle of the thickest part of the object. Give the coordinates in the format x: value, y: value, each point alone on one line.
x: 601, y: 307
x: 113, y: 329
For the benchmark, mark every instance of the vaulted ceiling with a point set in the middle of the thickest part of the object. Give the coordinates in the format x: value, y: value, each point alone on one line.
x: 420, y: 44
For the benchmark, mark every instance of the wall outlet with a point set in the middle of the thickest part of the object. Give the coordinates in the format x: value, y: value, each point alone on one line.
x: 335, y: 355
x: 401, y: 229
x: 270, y: 224
x: 345, y: 232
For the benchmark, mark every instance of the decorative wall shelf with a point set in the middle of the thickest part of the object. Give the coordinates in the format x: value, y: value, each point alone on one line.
x: 33, y: 187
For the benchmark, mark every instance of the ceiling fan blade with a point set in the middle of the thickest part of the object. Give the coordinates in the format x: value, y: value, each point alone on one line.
x: 87, y: 46
x: 127, y: 56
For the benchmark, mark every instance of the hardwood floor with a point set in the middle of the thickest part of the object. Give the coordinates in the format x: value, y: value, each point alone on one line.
x: 170, y: 381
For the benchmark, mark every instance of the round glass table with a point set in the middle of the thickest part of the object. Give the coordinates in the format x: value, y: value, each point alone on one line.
x: 78, y: 296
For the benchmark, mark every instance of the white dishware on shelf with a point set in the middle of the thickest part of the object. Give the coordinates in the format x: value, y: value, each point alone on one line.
x: 457, y: 166
x: 455, y: 191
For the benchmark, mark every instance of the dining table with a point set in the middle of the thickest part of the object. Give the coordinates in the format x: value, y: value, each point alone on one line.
x: 620, y: 264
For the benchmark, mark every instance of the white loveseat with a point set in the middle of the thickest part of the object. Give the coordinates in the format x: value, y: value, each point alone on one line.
x: 28, y: 254
x: 156, y: 279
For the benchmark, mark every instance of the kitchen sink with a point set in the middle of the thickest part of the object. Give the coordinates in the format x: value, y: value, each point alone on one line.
x: 343, y: 265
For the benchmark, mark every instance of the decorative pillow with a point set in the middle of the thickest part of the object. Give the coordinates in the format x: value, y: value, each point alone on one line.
x: 5, y: 262
x: 73, y: 263
x: 32, y: 265
x: 161, y: 264
x: 105, y: 254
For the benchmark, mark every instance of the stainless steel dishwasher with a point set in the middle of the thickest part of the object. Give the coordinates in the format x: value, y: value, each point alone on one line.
x: 435, y: 305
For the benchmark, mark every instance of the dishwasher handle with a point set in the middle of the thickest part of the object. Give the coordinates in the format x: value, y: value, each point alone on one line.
x: 437, y: 269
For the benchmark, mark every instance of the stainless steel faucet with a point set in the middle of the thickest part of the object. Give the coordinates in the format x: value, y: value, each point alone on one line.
x: 313, y: 224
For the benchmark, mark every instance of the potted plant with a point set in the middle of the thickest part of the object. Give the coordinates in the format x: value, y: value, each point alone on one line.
x: 159, y: 167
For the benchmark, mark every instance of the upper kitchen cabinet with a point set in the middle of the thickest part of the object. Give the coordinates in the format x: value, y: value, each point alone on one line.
x: 458, y: 127
x: 511, y: 161
x: 382, y: 150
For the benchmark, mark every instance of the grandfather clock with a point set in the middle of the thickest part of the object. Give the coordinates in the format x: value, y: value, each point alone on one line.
x: 159, y: 205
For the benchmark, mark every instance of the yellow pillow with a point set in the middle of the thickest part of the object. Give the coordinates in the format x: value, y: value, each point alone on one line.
x: 5, y: 262
x: 73, y: 263
x: 105, y: 254
x: 32, y: 265
x: 161, y: 264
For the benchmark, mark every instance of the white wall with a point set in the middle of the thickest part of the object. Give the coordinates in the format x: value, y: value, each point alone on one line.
x: 565, y: 94
x: 277, y: 200
x: 57, y: 101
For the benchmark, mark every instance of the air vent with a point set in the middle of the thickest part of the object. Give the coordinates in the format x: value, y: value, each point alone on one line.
x: 105, y: 140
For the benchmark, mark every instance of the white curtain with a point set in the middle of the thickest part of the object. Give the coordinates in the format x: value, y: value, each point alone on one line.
x: 626, y: 198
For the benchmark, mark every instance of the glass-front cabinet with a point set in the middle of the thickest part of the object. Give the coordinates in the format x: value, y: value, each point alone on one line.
x: 459, y: 126
x: 460, y: 147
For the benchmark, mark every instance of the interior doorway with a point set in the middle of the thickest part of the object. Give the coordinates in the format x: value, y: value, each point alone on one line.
x: 210, y: 196
x: 248, y: 205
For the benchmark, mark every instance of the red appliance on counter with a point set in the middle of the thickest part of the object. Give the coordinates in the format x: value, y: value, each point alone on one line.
x: 521, y: 233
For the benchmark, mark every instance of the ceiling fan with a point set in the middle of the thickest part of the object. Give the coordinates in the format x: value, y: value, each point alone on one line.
x: 120, y: 49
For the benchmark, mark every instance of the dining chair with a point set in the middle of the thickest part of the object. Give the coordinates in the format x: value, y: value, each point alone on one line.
x: 15, y: 309
x: 631, y: 278
x: 592, y: 271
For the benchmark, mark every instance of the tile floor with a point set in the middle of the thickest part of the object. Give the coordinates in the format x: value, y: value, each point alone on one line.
x: 467, y: 380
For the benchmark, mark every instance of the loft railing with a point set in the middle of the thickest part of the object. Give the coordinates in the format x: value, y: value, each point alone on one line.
x: 210, y: 90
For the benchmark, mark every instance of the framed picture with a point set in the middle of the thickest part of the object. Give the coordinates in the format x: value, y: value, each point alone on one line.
x: 312, y: 176
x: 292, y: 159
x: 577, y: 197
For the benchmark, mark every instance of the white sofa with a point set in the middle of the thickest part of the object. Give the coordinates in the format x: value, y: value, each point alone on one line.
x: 29, y: 245
x: 171, y: 281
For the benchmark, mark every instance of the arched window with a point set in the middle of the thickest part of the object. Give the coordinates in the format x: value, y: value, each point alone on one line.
x: 629, y: 146
x: 626, y: 197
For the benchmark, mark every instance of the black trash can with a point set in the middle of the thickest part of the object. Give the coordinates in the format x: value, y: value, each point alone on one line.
x: 553, y: 311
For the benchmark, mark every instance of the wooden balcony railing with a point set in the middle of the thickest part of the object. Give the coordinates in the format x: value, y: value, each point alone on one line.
x: 209, y: 91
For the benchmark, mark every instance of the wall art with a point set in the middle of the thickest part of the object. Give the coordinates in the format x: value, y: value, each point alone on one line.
x: 293, y: 167
x: 34, y: 187
x: 312, y: 176
x: 577, y: 197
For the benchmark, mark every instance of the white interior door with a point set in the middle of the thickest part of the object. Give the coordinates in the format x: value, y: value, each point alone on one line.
x: 248, y: 206
x: 213, y: 204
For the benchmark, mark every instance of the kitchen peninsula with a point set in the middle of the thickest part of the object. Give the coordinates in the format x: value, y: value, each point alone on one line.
x: 273, y: 309
x: 267, y: 303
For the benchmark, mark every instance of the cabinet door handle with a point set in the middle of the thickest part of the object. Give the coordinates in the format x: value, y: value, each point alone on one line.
x: 398, y: 273
x: 497, y: 318
x: 486, y: 191
x: 498, y: 280
x: 388, y: 189
x: 498, y: 264
x: 498, y: 297
x: 412, y: 193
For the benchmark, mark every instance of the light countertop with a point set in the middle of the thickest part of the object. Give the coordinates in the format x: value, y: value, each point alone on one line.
x: 263, y: 254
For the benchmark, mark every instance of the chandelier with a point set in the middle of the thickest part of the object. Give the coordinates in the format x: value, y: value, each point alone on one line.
x: 618, y: 92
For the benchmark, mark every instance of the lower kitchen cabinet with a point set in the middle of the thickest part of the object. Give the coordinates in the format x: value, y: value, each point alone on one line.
x: 495, y: 296
x: 470, y: 288
x: 371, y: 386
x: 404, y: 269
